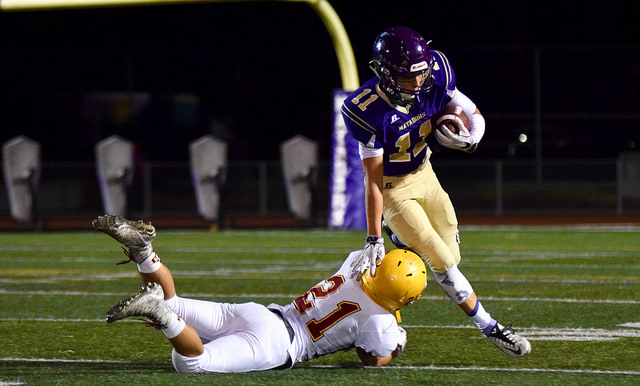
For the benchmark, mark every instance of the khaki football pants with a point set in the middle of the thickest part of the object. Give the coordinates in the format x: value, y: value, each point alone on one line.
x: 421, y: 214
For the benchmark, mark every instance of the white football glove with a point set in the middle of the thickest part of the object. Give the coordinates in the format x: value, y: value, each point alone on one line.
x: 371, y: 256
x: 464, y: 140
x: 403, y: 341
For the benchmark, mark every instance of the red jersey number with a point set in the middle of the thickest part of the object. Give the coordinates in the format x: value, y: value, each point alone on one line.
x: 315, y: 327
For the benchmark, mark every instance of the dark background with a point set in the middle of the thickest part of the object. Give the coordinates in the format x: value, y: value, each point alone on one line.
x: 262, y: 72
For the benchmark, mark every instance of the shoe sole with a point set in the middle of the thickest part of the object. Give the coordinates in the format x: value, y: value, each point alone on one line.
x: 118, y: 312
x: 117, y: 227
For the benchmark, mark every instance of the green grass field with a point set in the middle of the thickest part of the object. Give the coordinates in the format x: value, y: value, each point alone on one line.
x: 573, y: 291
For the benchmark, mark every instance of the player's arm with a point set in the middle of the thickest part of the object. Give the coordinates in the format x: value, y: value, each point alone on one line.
x: 373, y: 172
x: 373, y: 251
x: 369, y: 359
x: 467, y: 138
x: 477, y: 120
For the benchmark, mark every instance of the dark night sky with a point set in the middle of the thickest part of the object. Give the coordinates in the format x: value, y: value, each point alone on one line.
x: 265, y: 71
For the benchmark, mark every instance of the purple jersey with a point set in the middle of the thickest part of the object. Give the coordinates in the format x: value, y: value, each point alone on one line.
x: 402, y: 134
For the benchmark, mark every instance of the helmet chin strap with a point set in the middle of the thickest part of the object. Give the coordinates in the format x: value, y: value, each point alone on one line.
x: 398, y: 318
x: 397, y: 98
x: 408, y: 98
x: 401, y: 99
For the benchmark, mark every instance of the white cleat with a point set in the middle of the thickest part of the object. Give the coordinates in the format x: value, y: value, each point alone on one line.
x: 136, y: 236
x: 148, y: 303
x: 508, y: 341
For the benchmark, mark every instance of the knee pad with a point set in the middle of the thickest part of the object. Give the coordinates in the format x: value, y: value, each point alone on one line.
x: 454, y: 284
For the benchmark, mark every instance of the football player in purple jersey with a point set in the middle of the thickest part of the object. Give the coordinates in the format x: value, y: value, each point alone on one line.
x: 339, y: 313
x: 389, y: 116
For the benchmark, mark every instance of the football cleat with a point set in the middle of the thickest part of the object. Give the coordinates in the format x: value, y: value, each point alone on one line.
x: 148, y: 303
x: 136, y: 236
x: 508, y: 341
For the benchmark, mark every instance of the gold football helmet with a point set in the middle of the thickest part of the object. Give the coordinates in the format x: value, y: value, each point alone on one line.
x: 399, y: 280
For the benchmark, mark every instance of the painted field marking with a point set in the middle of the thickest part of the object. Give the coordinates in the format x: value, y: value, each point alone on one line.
x: 531, y: 333
x: 501, y: 369
x: 262, y: 295
x: 563, y: 334
x: 60, y: 360
x: 184, y: 249
x: 614, y: 228
x: 385, y: 368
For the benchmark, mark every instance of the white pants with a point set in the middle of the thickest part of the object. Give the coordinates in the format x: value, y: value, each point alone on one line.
x: 237, y: 337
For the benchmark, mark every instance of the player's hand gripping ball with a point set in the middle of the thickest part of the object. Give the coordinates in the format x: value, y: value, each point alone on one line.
x: 452, y: 129
x: 451, y: 117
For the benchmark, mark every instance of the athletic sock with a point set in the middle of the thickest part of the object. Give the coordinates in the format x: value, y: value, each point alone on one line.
x: 482, y: 319
x: 174, y: 327
x: 150, y: 264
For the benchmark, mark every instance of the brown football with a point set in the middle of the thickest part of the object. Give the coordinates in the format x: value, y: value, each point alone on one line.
x: 447, y: 117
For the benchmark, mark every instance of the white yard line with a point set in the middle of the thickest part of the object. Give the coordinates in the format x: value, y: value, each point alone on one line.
x: 480, y: 368
x: 60, y: 360
x: 385, y: 368
x: 628, y: 330
x: 615, y: 228
x: 267, y: 296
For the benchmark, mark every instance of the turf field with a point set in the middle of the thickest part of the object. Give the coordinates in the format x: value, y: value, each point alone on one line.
x: 573, y: 291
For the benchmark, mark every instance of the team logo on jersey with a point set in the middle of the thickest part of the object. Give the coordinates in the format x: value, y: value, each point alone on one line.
x: 411, y: 121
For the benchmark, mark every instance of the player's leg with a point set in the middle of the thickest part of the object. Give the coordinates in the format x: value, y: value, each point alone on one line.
x: 435, y: 238
x: 149, y: 303
x: 252, y: 338
x: 410, y: 223
x: 240, y: 337
x: 408, y: 220
x: 136, y: 237
x: 161, y: 275
x: 442, y: 215
x: 456, y: 285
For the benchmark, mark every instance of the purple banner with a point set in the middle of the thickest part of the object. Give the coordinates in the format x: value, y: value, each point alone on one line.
x: 346, y: 207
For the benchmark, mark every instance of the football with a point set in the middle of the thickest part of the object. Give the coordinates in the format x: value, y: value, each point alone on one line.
x: 447, y: 116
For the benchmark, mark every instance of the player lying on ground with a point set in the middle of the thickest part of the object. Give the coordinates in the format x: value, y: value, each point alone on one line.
x: 339, y: 313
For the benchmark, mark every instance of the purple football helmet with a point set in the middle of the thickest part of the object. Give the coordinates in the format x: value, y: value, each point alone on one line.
x: 401, y: 51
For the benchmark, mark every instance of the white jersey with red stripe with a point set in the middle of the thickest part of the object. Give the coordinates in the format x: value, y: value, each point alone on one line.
x: 336, y: 314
